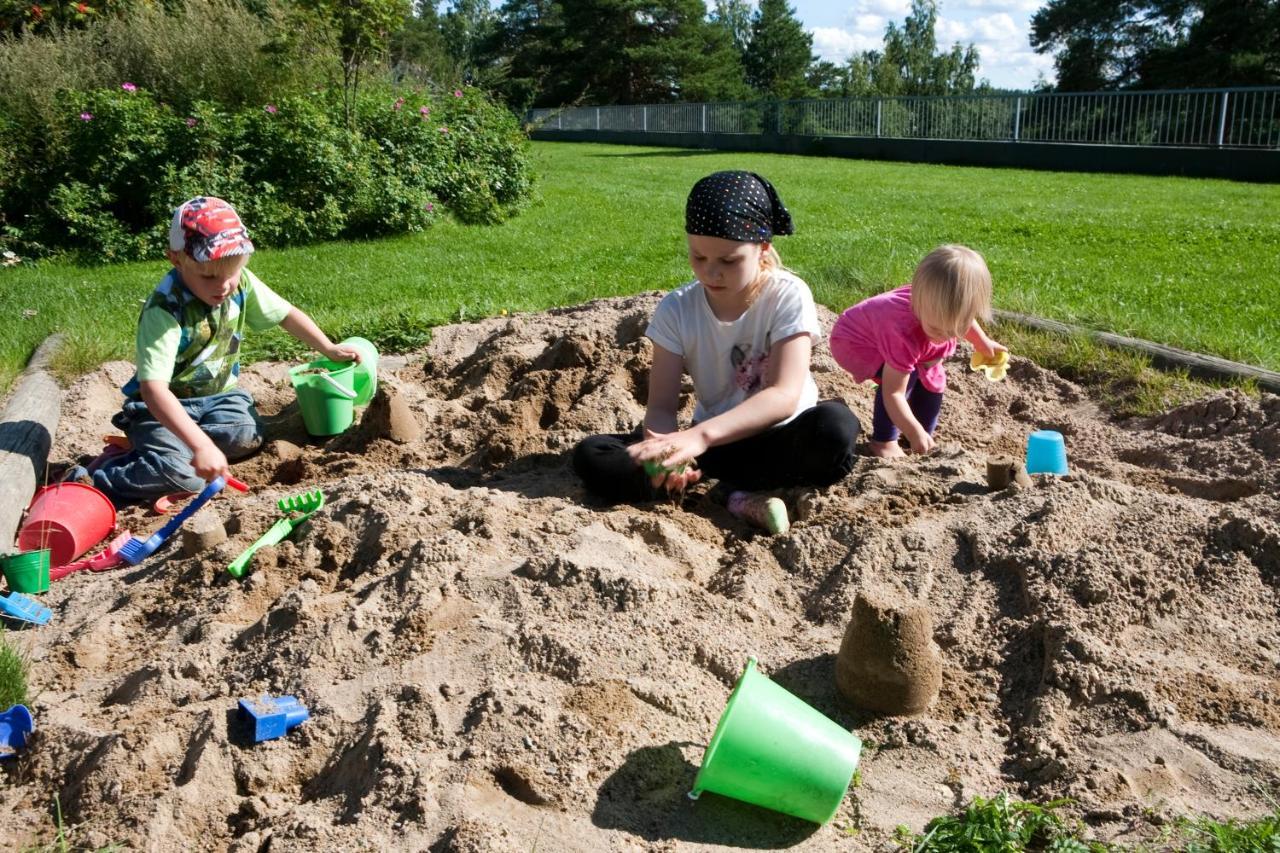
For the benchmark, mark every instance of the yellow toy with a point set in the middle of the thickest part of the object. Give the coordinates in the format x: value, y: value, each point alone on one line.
x: 994, y: 367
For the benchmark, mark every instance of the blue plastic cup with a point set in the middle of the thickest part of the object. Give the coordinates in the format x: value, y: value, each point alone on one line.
x: 1046, y: 452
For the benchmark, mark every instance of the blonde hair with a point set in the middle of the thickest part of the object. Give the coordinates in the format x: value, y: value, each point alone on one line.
x: 951, y: 288
x: 770, y: 262
x: 224, y: 266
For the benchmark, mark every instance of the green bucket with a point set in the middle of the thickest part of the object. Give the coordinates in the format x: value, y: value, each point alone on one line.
x: 326, y: 395
x: 27, y: 572
x: 365, y: 380
x: 773, y: 750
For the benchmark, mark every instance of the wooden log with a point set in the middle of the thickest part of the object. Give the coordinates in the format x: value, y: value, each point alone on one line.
x: 1204, y: 366
x: 27, y: 427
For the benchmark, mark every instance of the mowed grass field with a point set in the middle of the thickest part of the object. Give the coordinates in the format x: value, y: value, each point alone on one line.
x: 1187, y: 262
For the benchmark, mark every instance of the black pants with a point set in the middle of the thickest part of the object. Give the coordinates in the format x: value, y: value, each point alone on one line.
x: 815, y: 449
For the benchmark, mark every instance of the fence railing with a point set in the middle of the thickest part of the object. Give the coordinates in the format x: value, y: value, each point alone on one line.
x: 1222, y: 118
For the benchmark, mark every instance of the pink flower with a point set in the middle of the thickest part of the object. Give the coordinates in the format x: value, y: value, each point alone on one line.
x: 192, y: 122
x: 86, y: 116
x: 457, y: 93
x: 128, y: 87
x: 425, y: 111
x: 271, y: 108
x: 428, y: 207
x: 444, y: 130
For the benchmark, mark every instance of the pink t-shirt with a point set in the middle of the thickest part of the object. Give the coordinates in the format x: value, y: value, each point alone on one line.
x: 883, y: 330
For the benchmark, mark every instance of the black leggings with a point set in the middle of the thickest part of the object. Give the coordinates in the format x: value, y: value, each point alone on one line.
x: 814, y: 449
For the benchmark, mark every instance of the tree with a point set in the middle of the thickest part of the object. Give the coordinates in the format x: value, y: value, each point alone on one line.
x: 910, y: 63
x: 466, y: 28
x: 779, y: 53
x: 362, y: 29
x: 1151, y: 44
x: 418, y: 47
x: 734, y: 16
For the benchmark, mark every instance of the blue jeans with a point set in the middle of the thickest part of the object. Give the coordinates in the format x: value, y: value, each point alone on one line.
x: 160, y: 463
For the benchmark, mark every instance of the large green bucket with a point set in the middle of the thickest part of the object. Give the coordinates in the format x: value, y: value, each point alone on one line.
x: 325, y: 395
x: 365, y: 379
x: 27, y: 572
x: 773, y: 750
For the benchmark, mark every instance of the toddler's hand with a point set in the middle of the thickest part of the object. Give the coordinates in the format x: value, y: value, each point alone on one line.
x: 991, y: 348
x: 923, y: 443
x: 210, y: 462
x: 341, y: 353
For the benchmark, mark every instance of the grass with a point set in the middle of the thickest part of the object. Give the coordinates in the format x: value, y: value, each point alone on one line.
x: 1187, y: 262
x: 1000, y: 824
x: 14, y: 668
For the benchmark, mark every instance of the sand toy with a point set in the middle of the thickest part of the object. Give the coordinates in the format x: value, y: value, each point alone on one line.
x: 108, y: 558
x: 136, y: 550
x: 1046, y: 453
x: 24, y: 608
x: 68, y: 519
x: 26, y: 572
x: 273, y: 716
x: 995, y: 366
x: 297, y: 509
x: 773, y: 750
x: 326, y: 395
x: 15, y: 725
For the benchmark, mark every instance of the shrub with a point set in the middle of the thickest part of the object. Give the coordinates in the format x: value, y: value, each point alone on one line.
x: 13, y: 674
x: 116, y: 161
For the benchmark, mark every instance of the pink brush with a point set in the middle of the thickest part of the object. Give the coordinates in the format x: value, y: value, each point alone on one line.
x: 108, y: 559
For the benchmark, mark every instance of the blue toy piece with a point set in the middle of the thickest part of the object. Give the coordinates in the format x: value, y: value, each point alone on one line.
x: 273, y: 716
x: 15, y: 725
x: 1046, y: 453
x: 136, y: 550
x: 24, y: 608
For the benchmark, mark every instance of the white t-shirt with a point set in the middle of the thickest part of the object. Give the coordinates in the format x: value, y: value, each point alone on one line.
x: 727, y: 361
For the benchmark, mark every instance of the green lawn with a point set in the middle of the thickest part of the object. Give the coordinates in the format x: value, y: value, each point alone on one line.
x: 1187, y: 262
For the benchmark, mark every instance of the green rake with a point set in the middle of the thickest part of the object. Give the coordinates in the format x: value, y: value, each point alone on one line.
x: 296, y: 509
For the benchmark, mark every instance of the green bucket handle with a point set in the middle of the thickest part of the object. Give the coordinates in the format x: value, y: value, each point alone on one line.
x: 345, y: 392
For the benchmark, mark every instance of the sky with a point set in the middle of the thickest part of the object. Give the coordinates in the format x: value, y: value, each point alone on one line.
x: 998, y: 28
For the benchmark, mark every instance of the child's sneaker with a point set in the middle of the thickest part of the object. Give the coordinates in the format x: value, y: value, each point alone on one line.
x: 762, y: 511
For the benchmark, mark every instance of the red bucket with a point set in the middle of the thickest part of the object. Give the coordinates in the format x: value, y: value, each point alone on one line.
x: 68, y: 519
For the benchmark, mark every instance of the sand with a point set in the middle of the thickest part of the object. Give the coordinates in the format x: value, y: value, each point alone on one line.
x: 492, y: 661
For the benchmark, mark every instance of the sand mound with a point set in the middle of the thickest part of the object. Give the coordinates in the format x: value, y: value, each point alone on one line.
x: 493, y: 662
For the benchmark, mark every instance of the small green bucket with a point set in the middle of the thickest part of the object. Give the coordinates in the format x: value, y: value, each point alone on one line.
x: 773, y: 750
x: 27, y: 572
x: 365, y: 380
x: 326, y: 395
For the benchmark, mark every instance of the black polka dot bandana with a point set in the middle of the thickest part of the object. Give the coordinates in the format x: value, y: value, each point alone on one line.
x: 738, y: 206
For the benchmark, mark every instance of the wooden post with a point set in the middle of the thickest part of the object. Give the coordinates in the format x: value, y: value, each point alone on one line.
x: 27, y: 428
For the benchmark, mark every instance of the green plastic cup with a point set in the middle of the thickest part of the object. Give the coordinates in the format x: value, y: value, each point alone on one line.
x: 325, y: 395
x: 27, y: 572
x: 365, y: 379
x: 773, y: 750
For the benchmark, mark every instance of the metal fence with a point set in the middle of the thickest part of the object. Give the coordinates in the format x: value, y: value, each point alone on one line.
x: 1222, y: 118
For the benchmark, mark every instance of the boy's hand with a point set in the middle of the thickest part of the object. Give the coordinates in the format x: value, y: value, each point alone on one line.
x: 210, y: 462
x: 341, y: 353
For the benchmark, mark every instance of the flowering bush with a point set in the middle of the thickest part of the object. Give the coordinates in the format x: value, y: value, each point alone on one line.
x: 107, y: 177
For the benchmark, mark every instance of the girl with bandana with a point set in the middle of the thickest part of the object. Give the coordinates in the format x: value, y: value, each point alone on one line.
x: 899, y: 339
x: 743, y: 330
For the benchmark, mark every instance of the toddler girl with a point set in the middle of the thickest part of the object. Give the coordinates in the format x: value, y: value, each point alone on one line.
x: 899, y: 339
x: 743, y: 330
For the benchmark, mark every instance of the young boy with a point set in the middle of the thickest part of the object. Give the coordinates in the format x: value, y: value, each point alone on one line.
x: 183, y: 415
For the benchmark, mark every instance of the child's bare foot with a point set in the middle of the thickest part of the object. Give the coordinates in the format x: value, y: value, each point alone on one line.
x: 887, y: 449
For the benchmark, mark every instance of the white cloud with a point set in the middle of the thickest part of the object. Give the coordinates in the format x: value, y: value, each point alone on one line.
x: 884, y: 8
x: 869, y: 23
x: 1017, y: 7
x: 837, y: 45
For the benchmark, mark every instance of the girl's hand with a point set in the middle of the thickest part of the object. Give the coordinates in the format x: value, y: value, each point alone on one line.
x: 333, y: 352
x: 677, y: 451
x: 989, y: 347
x: 922, y: 443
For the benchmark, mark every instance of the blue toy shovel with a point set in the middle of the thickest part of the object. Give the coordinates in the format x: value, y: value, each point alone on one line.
x: 136, y: 550
x: 15, y: 725
x: 24, y: 608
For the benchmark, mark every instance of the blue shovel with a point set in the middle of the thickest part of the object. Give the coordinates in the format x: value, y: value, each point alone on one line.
x: 136, y: 550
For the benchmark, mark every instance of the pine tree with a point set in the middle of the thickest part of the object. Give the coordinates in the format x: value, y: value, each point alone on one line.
x: 780, y: 52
